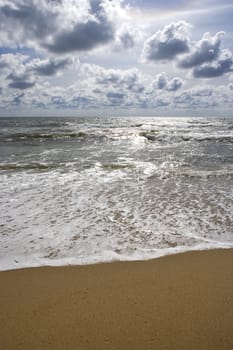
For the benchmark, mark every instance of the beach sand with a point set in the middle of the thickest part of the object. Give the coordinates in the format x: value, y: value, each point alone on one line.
x: 184, y: 301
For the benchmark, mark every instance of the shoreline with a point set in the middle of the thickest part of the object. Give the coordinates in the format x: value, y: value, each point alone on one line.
x: 71, y: 262
x: 179, y: 301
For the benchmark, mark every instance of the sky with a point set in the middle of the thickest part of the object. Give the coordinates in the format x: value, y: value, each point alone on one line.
x: 116, y: 57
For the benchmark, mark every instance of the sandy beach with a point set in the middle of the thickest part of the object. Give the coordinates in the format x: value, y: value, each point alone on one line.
x: 183, y: 301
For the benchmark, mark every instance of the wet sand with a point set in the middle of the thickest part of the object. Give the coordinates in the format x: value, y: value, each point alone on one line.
x: 183, y: 301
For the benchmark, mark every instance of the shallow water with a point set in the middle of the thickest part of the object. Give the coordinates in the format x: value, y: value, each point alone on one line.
x: 84, y: 190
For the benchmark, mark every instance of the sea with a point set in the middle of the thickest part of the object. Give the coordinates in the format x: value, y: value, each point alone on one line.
x: 79, y: 190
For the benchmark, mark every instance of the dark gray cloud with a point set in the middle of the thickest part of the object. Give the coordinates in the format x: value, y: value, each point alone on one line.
x: 83, y: 37
x: 97, y: 30
x: 49, y: 67
x: 167, y: 44
x: 116, y: 95
x: 3, y: 63
x: 21, y: 81
x: 21, y: 85
x: 59, y: 26
x: 223, y: 65
x: 205, y: 50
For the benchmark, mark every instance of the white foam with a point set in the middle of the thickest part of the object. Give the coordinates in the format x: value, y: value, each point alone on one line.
x: 98, y: 215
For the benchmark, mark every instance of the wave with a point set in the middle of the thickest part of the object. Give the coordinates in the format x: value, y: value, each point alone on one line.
x: 207, y: 173
x: 219, y: 138
x: 156, y: 137
x: 52, y: 166
x: 44, y: 136
x: 116, y: 166
x: 152, y: 135
x: 30, y: 166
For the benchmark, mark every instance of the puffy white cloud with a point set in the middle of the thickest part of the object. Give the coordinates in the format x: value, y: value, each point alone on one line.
x: 205, y: 50
x: 130, y: 79
x: 127, y: 40
x: 204, y: 97
x: 48, y: 67
x: 175, y: 84
x: 97, y: 87
x: 204, y: 58
x: 20, y: 72
x: 167, y: 44
x: 224, y: 64
x: 94, y: 87
x: 161, y: 82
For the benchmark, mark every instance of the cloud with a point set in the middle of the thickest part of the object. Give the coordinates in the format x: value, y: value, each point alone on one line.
x: 20, y: 72
x: 223, y: 65
x: 21, y: 85
x: 175, y: 84
x: 11, y: 62
x: 161, y: 82
x: 17, y: 99
x: 94, y: 87
x: 127, y: 40
x: 203, y: 97
x: 112, y: 87
x: 24, y: 21
x: 59, y: 26
x: 130, y: 79
x: 115, y: 98
x: 97, y: 87
x: 48, y: 67
x: 127, y: 36
x: 167, y: 44
x: 204, y: 58
x: 85, y: 36
x: 22, y: 63
x: 125, y: 88
x: 205, y: 50
x: 14, y: 72
x: 20, y: 81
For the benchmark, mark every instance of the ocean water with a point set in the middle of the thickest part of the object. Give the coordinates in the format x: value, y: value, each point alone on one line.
x: 87, y: 190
